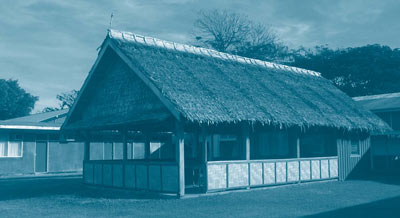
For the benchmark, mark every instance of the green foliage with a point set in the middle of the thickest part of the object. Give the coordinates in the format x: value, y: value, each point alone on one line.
x: 366, y: 70
x: 14, y: 100
x: 66, y: 99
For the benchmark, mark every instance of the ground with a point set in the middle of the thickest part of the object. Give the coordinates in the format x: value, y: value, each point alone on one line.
x: 67, y: 197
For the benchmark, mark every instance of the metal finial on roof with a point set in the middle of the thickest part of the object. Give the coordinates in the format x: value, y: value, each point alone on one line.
x: 111, y: 18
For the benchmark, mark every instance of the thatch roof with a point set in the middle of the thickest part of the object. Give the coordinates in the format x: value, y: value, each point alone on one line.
x: 206, y: 86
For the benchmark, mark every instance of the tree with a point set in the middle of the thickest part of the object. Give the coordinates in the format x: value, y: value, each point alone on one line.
x: 366, y: 70
x: 66, y: 99
x: 14, y: 100
x: 236, y: 34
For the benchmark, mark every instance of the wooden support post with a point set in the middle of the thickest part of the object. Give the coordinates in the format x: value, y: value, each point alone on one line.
x: 147, y: 156
x: 180, y: 158
x: 298, y: 147
x: 86, y: 149
x: 124, y: 145
x: 246, y: 138
x: 124, y: 154
x: 298, y: 156
x: 371, y: 152
x: 204, y: 145
x: 147, y: 146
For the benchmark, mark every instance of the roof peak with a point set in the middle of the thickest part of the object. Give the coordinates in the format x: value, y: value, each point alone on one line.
x: 151, y: 41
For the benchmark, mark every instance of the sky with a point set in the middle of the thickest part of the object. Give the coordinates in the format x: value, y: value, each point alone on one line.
x: 50, y: 46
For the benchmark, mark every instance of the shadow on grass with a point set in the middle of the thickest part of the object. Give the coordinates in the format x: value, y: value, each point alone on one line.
x: 389, y: 179
x: 40, y: 187
x: 383, y: 208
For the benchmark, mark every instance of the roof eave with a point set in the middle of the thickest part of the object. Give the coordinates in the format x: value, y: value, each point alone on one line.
x: 29, y: 127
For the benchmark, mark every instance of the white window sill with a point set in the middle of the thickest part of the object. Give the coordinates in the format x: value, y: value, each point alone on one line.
x: 355, y: 155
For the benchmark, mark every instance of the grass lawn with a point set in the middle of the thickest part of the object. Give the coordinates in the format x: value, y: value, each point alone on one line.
x: 67, y: 197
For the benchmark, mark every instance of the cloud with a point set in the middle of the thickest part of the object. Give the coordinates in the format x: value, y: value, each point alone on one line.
x: 50, y: 46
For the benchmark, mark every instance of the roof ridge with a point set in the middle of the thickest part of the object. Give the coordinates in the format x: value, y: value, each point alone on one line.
x: 151, y: 41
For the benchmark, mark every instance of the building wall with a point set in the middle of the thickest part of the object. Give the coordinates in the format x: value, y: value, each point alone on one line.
x: 61, y: 157
x: 19, y: 165
x: 385, y: 153
x: 350, y: 165
x: 65, y: 157
x: 386, y: 148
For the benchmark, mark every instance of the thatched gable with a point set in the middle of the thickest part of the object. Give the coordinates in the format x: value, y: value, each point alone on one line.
x: 205, y: 86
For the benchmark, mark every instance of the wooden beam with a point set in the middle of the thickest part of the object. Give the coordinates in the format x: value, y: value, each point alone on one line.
x: 180, y: 157
x: 204, y: 145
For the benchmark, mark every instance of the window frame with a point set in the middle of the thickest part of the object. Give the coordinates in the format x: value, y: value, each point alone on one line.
x: 358, y: 154
x: 9, y: 139
x: 132, y: 143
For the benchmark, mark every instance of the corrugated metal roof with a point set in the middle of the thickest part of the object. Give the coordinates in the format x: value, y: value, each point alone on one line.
x: 45, y: 120
x: 383, y: 102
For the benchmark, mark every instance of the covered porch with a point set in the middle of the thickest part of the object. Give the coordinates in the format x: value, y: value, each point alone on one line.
x: 202, y: 158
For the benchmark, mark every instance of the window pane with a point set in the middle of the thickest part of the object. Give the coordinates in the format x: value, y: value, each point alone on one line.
x: 138, y: 150
x: 96, y: 151
x: 14, y: 149
x: 108, y: 151
x: 155, y: 150
x: 118, y: 151
x: 129, y: 150
x: 2, y: 149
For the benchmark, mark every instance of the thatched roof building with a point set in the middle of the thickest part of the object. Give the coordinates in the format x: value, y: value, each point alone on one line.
x: 193, y: 117
x: 205, y: 86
